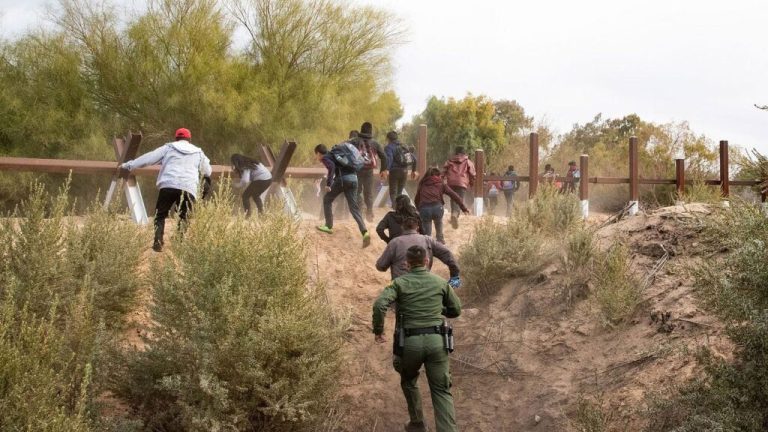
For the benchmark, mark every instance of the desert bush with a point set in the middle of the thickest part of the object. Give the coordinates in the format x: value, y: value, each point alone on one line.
x: 617, y: 290
x: 500, y: 251
x: 45, y: 372
x: 47, y: 251
x: 593, y: 414
x: 108, y: 248
x: 732, y: 396
x: 699, y: 192
x: 551, y: 211
x: 240, y: 341
x: 576, y: 261
x: 58, y: 286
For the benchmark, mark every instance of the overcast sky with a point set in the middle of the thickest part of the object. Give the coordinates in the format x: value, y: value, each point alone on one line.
x: 666, y: 60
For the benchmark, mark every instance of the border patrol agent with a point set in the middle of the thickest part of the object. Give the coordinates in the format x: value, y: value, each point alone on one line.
x: 422, y: 337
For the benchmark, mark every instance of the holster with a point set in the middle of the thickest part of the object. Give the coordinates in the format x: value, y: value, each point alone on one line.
x: 398, y: 341
x: 446, y: 330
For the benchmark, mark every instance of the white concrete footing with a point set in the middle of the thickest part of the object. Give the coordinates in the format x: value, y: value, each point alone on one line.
x: 479, y: 206
x: 585, y: 209
x: 634, y: 207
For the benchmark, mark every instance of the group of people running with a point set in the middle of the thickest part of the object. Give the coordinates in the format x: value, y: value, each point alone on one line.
x: 421, y: 299
x: 394, y: 162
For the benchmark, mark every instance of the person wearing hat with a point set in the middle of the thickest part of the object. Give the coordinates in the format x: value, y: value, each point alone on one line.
x: 371, y: 150
x: 181, y: 164
x: 399, y: 159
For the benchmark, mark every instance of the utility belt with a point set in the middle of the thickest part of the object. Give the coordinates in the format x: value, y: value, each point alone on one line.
x: 444, y: 329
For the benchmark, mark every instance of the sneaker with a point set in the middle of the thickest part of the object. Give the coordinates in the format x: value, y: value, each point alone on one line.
x: 157, y: 247
x: 416, y: 427
x: 366, y: 239
x: 455, y: 222
x: 325, y: 229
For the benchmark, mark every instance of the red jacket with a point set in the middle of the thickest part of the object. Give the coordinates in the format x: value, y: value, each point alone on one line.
x: 459, y: 171
x: 431, y: 190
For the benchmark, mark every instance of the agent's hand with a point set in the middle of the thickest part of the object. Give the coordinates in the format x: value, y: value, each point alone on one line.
x: 327, y: 188
x: 454, y: 282
x: 380, y: 339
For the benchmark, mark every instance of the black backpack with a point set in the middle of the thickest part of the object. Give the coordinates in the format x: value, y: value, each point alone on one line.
x: 402, y: 156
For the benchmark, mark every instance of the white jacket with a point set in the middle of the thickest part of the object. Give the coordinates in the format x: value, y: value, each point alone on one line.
x: 181, y: 165
x: 260, y: 172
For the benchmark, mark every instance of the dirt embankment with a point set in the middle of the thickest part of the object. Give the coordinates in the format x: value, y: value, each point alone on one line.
x: 523, y: 359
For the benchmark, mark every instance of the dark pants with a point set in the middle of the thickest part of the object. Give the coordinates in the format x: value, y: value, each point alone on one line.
x: 254, y: 190
x: 509, y: 197
x: 432, y: 213
x: 349, y: 188
x: 165, y: 201
x: 455, y: 209
x: 397, y: 177
x: 493, y: 201
x: 365, y: 189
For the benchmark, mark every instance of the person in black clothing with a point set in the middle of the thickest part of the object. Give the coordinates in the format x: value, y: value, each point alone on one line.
x: 340, y: 180
x: 370, y: 149
x: 399, y: 160
x: 393, y: 220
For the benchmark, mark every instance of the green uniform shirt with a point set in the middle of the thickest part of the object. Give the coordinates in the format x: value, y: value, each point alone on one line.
x: 422, y: 300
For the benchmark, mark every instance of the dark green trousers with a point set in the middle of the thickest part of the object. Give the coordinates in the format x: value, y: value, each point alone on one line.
x: 427, y: 350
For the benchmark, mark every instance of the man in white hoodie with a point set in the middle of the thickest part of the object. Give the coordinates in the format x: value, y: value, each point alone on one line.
x: 179, y: 178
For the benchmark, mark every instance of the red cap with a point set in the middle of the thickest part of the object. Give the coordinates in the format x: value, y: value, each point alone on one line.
x: 183, y: 133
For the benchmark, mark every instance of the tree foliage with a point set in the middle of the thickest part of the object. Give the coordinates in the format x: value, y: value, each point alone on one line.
x: 471, y: 122
x: 312, y: 70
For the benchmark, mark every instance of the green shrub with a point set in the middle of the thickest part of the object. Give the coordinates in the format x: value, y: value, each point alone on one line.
x: 44, y: 380
x: 699, y: 192
x: 108, y: 247
x: 552, y: 212
x: 500, y: 251
x: 239, y: 341
x: 576, y: 261
x: 617, y: 290
x: 58, y: 283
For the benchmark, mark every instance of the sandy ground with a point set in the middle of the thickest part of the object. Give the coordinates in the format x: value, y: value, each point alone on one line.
x: 522, y: 358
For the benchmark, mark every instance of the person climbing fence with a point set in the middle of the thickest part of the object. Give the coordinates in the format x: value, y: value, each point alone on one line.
x: 255, y: 179
x: 182, y: 163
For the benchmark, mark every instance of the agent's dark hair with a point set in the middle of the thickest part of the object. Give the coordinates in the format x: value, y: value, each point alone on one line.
x: 242, y: 162
x: 415, y: 256
x: 321, y: 148
x: 410, y: 222
x: 459, y: 150
x: 511, y: 168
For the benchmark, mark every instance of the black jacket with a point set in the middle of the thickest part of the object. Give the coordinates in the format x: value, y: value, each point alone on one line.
x: 391, y: 222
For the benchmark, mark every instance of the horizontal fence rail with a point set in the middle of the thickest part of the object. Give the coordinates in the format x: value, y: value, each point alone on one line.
x: 64, y: 166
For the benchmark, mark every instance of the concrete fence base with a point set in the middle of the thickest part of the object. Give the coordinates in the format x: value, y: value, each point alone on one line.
x: 585, y: 209
x: 634, y: 207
